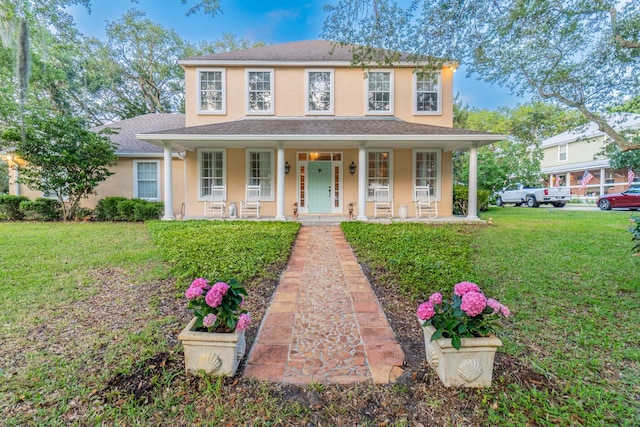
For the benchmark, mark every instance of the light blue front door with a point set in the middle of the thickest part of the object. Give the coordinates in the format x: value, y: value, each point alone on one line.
x: 319, y: 187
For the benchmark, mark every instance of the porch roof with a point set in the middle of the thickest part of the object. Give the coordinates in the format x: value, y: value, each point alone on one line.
x: 338, y: 132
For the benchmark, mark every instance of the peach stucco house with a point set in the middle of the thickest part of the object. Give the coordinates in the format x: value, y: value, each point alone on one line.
x: 300, y: 122
x: 303, y: 124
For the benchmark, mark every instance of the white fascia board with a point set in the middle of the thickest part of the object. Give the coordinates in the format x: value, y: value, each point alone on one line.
x: 359, y: 137
x: 141, y: 155
x: 250, y: 63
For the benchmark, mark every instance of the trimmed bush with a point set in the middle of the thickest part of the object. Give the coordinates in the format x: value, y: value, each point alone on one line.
x: 41, y: 209
x: 461, y: 200
x: 10, y: 207
x: 107, y: 208
x: 147, y: 210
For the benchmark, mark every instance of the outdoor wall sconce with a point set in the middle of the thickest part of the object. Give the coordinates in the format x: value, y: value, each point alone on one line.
x: 287, y: 168
x: 352, y: 168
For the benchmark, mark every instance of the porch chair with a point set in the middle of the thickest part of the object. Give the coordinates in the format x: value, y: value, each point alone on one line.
x: 217, y: 203
x: 382, y: 200
x: 251, y: 203
x: 425, y: 204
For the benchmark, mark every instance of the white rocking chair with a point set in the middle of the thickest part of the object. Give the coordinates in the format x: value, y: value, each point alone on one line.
x: 382, y: 201
x: 251, y: 203
x: 217, y: 203
x: 425, y: 204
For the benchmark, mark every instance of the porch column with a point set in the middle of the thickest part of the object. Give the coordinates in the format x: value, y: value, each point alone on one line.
x: 602, y: 190
x: 168, y: 182
x: 280, y: 184
x: 16, y: 176
x: 472, y: 208
x: 362, y: 182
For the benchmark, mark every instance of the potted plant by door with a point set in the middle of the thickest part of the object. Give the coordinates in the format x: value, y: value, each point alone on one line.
x: 214, y: 340
x: 460, y: 341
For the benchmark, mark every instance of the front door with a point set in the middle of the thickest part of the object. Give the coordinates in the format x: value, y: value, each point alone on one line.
x: 319, y: 187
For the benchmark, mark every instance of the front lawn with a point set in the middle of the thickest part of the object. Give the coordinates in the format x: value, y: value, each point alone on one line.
x: 89, y: 315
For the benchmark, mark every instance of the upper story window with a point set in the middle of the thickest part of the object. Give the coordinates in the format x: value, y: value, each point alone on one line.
x: 260, y: 92
x: 562, y: 152
x: 211, y: 171
x: 211, y: 91
x: 427, y: 96
x: 379, y: 92
x: 319, y: 93
x: 146, y: 184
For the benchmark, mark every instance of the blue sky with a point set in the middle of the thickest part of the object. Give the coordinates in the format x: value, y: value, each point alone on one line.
x: 270, y: 21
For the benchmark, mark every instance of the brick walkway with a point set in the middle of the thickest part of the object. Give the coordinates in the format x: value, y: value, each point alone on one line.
x: 325, y: 324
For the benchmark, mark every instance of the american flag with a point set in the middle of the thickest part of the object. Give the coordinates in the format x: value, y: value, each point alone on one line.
x: 631, y: 176
x: 586, y: 177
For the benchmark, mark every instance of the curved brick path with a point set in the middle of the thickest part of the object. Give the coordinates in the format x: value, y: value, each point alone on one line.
x: 325, y: 324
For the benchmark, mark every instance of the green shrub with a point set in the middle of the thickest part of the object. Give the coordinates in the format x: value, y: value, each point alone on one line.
x: 10, y: 207
x: 143, y: 210
x: 41, y: 209
x: 126, y: 209
x: 107, y: 208
x: 461, y: 200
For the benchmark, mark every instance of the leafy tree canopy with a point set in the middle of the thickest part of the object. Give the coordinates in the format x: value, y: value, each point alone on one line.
x: 583, y: 54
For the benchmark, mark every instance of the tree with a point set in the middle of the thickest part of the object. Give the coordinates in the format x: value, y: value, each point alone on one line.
x: 63, y: 157
x: 583, y: 54
x: 516, y: 159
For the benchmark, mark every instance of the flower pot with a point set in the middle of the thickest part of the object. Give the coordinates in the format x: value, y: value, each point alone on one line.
x: 217, y: 354
x: 471, y: 366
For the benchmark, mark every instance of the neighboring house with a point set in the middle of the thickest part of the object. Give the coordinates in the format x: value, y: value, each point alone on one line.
x: 568, y: 155
x: 303, y: 124
x: 138, y: 173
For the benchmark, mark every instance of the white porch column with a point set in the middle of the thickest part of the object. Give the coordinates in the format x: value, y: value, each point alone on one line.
x: 168, y: 182
x: 280, y: 184
x: 362, y: 182
x: 472, y: 208
x: 16, y: 175
x: 602, y: 179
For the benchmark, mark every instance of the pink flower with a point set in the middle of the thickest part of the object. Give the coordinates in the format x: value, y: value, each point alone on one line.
x: 209, y: 320
x: 425, y: 311
x: 221, y: 288
x: 463, y: 287
x: 494, y: 304
x: 243, y: 322
x: 200, y: 283
x: 505, y: 311
x: 241, y: 302
x: 193, y: 293
x: 473, y: 303
x: 435, y: 298
x: 213, y: 298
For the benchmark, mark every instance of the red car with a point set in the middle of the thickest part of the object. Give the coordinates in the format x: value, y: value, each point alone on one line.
x: 627, y: 199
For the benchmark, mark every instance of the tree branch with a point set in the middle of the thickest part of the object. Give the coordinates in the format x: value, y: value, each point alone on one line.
x: 621, y: 41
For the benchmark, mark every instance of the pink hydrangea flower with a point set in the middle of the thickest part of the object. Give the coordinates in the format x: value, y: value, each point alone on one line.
x: 200, y: 283
x: 435, y: 298
x: 221, y: 288
x: 505, y: 311
x: 213, y: 298
x: 426, y: 311
x: 463, y: 287
x: 473, y: 303
x: 193, y: 293
x: 494, y: 304
x: 243, y: 322
x: 209, y: 320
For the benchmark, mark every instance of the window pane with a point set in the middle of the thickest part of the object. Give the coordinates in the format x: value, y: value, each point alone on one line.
x: 427, y: 170
x: 378, y: 170
x: 379, y: 91
x: 211, y: 90
x: 319, y: 91
x: 147, y: 180
x: 260, y: 93
x: 211, y: 171
x: 426, y: 92
x: 260, y: 171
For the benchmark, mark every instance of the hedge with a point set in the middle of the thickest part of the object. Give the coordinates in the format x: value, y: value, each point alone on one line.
x: 122, y: 209
x: 10, y: 207
x: 461, y: 199
x: 41, y: 209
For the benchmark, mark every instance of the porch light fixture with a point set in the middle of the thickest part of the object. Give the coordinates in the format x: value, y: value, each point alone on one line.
x: 352, y: 168
x: 287, y: 168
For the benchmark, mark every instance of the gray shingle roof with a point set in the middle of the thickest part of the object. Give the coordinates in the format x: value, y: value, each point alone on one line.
x: 306, y: 127
x: 300, y: 51
x: 148, y: 123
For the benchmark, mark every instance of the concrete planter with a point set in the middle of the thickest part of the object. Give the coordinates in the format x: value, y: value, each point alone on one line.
x: 217, y: 354
x: 471, y: 366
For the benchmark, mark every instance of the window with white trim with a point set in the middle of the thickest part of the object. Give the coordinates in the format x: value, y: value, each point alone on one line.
x: 260, y: 171
x: 426, y: 95
x: 562, y: 152
x: 211, y: 170
x: 146, y: 182
x: 260, y: 92
x: 379, y: 92
x: 211, y: 91
x: 378, y: 170
x: 426, y: 170
x: 319, y: 93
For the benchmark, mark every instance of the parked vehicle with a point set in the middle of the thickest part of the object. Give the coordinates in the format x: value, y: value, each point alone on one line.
x: 533, y: 197
x: 627, y: 199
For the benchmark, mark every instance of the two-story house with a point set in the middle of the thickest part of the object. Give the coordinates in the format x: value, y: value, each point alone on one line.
x: 300, y: 122
x: 568, y: 155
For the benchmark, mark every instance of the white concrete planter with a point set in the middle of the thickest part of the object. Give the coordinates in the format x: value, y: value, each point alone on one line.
x: 217, y: 354
x: 471, y: 366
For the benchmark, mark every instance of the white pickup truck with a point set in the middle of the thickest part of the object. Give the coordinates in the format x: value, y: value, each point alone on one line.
x: 533, y: 197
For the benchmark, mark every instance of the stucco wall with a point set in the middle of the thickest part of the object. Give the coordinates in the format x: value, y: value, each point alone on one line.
x: 577, y: 152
